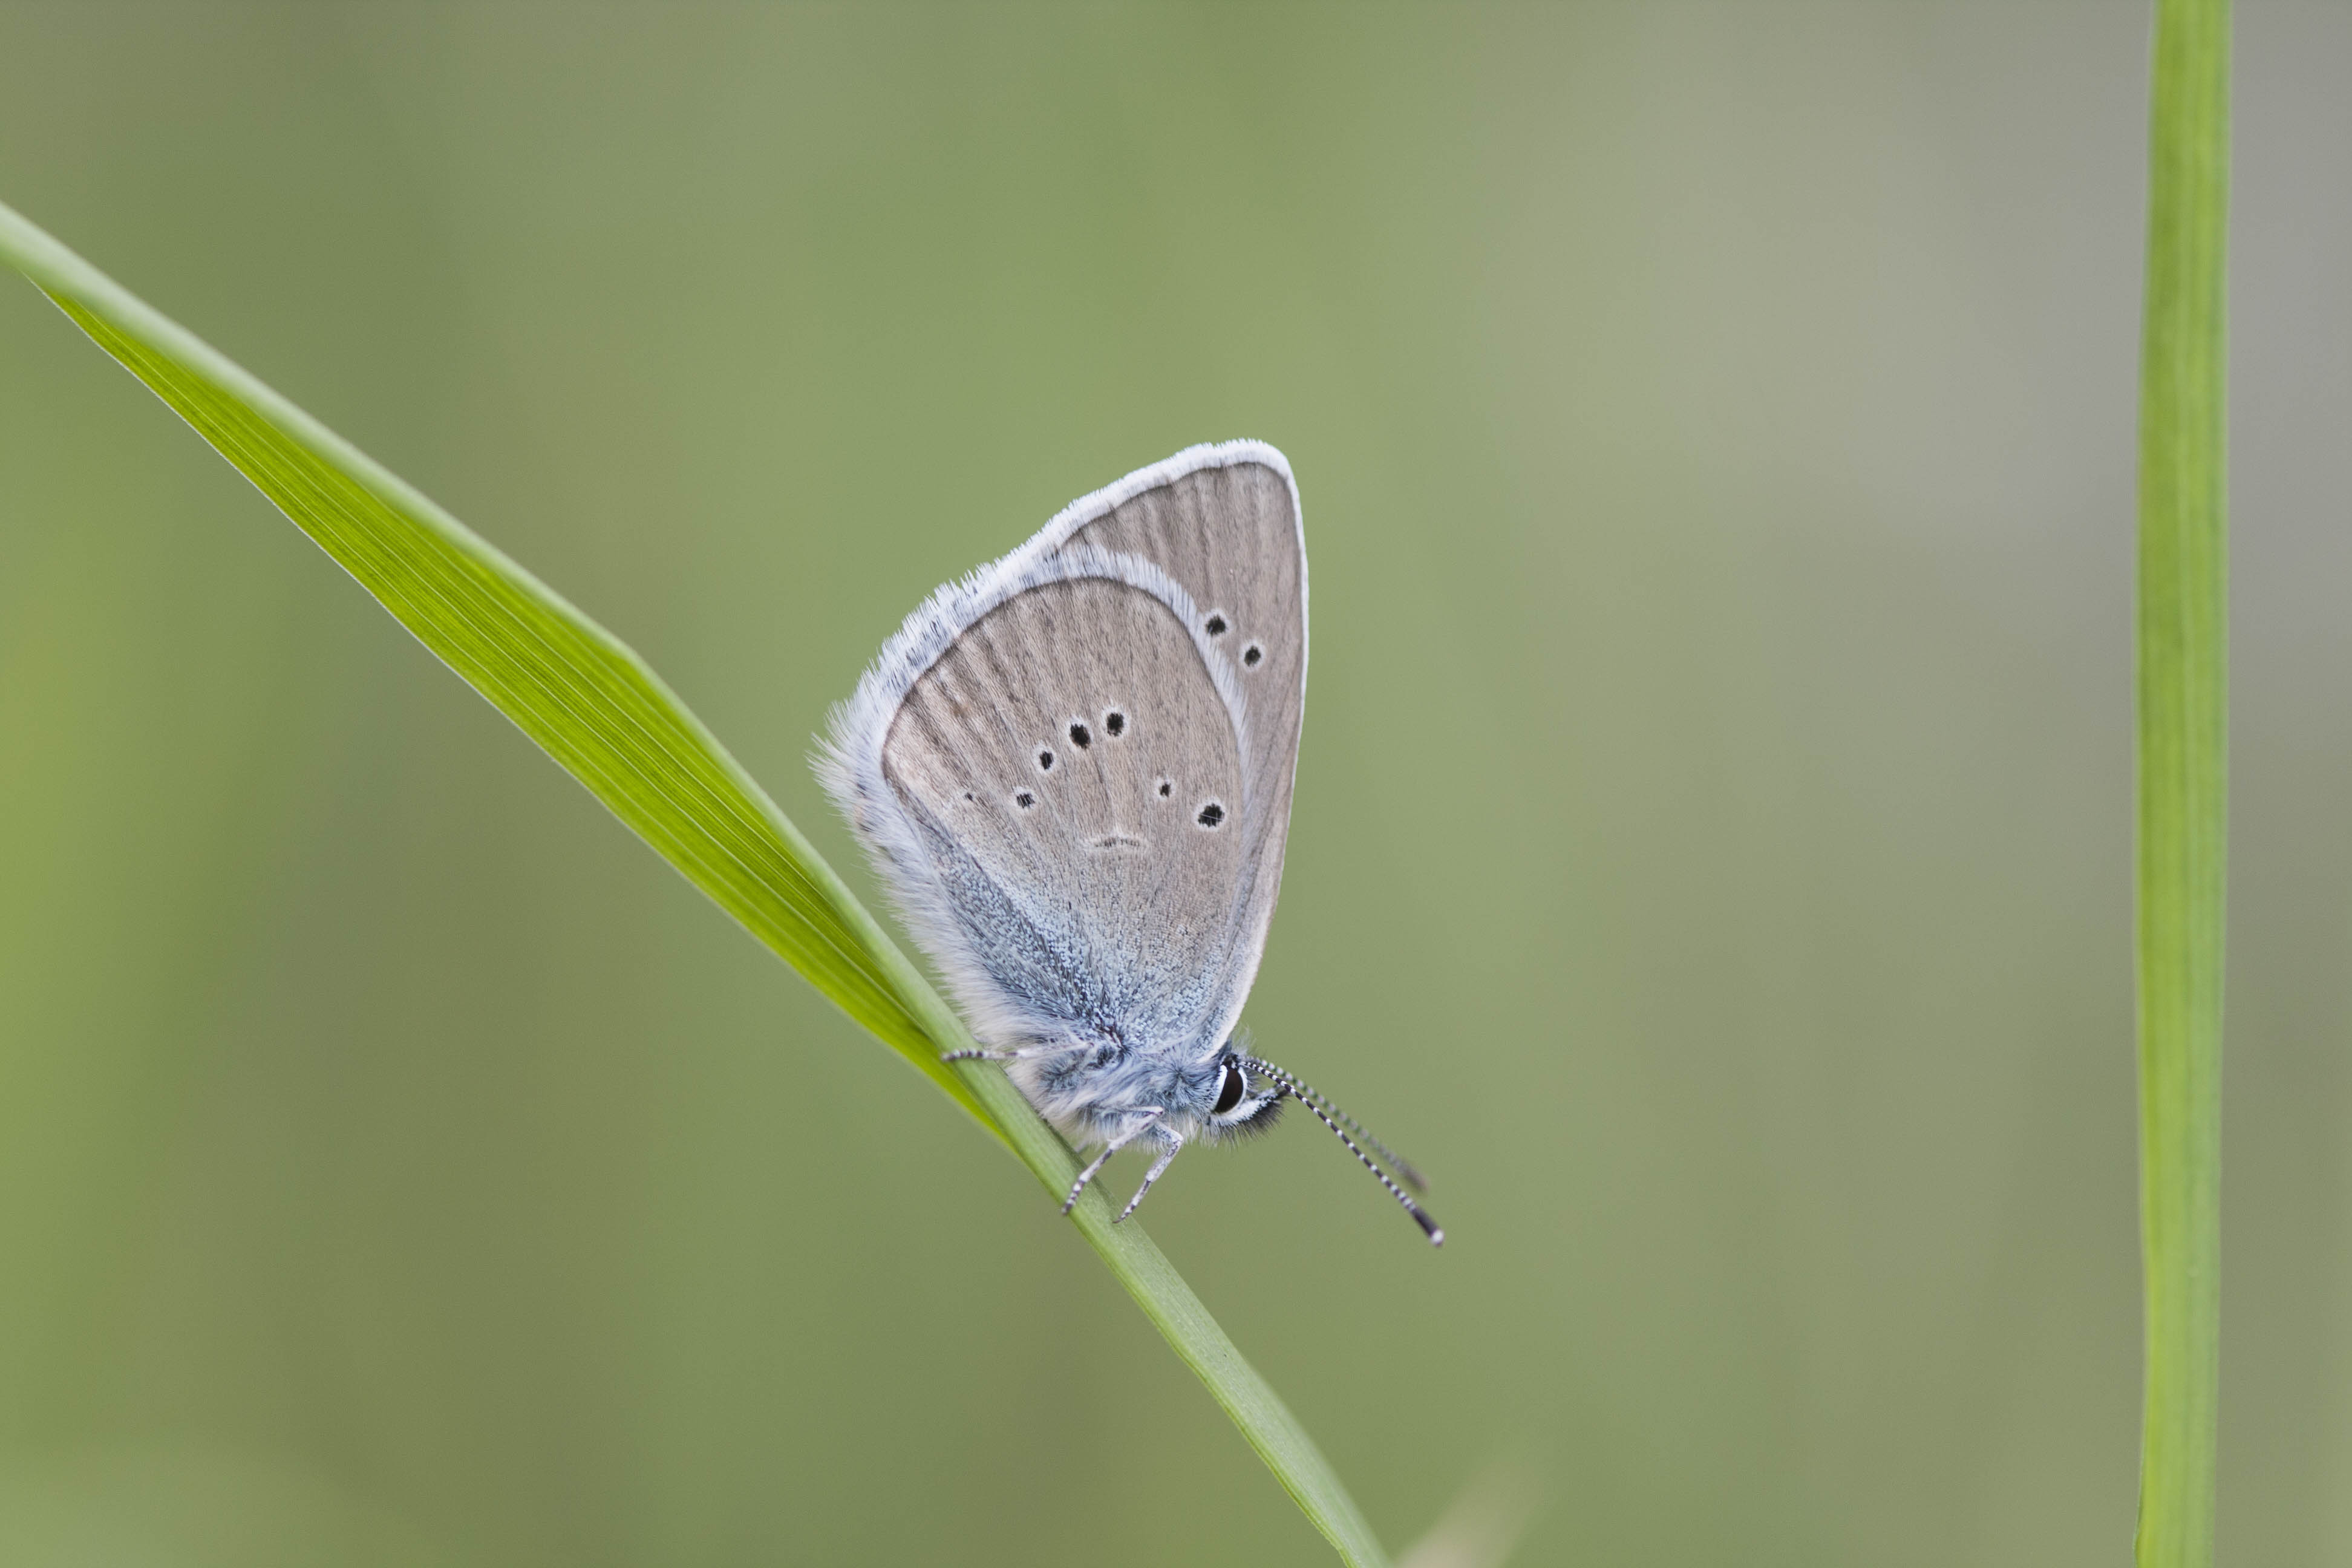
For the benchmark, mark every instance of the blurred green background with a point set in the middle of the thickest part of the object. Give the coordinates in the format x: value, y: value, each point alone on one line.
x: 1711, y: 853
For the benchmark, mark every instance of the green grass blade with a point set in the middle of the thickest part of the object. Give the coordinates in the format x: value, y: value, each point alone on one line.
x: 599, y: 710
x: 2183, y: 774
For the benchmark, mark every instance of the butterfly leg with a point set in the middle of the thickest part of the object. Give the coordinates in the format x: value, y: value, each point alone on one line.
x: 1151, y: 1116
x: 1168, y: 1145
x: 1010, y: 1054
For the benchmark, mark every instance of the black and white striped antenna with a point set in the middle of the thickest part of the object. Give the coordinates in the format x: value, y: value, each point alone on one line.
x: 1331, y: 1116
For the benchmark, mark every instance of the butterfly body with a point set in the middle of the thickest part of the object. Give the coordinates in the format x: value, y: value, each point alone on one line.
x: 1073, y: 769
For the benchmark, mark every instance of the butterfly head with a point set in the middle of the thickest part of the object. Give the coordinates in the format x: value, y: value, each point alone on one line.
x: 1240, y: 1103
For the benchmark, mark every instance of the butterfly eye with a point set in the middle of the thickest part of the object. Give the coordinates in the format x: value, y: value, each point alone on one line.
x: 1230, y: 1093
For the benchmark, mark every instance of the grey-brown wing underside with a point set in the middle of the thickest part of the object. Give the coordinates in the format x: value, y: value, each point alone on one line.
x: 1075, y: 782
x: 1229, y: 535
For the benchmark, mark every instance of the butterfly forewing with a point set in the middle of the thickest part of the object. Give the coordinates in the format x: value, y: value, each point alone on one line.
x: 1229, y: 535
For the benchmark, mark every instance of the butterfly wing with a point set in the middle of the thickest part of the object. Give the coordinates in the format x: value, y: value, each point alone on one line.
x: 1059, y: 767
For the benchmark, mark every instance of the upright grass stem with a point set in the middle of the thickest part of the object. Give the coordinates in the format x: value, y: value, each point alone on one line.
x: 601, y: 713
x: 2182, y: 774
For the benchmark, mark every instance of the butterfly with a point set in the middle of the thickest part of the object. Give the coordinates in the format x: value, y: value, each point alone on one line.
x: 1073, y: 771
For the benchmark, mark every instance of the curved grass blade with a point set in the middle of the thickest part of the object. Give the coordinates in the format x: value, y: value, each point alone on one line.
x: 2183, y: 757
x: 601, y: 713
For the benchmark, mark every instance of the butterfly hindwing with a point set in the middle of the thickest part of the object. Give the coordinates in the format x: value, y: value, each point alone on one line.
x: 1077, y: 779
